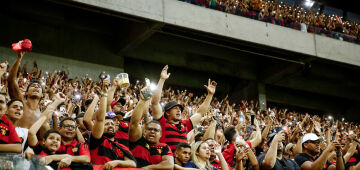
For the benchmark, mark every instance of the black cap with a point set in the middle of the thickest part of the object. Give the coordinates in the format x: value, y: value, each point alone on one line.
x: 172, y: 104
x: 88, y: 102
x: 122, y: 101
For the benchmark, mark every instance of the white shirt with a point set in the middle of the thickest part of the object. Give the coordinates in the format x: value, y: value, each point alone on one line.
x: 23, y: 135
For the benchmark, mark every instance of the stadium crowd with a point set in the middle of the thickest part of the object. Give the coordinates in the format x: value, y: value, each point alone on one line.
x: 80, y: 123
x: 296, y: 17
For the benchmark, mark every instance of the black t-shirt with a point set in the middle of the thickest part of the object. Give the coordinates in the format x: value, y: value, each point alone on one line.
x: 303, y: 157
x: 284, y: 163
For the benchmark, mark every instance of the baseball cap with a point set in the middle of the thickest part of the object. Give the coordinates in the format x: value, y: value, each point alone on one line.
x: 121, y: 100
x: 288, y: 147
x: 172, y: 104
x: 310, y: 137
x: 270, y: 137
x: 111, y: 114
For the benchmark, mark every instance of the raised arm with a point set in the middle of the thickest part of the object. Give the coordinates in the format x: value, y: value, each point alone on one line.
x: 298, y: 146
x: 13, y: 86
x: 32, y: 139
x: 265, y: 133
x: 195, y: 119
x: 218, y: 153
x: 3, y: 69
x: 253, y: 161
x: 89, y: 114
x: 111, y: 93
x: 340, y: 164
x: 210, y: 131
x: 319, y: 163
x: 270, y: 157
x: 257, y: 139
x: 155, y: 102
x: 350, y: 151
x: 135, y: 132
x: 98, y: 128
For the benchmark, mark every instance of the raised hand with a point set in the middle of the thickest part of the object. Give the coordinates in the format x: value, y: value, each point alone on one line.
x: 142, y: 92
x: 60, y: 97
x: 279, y: 137
x: 211, y: 87
x: 3, y: 67
x: 164, y: 74
x: 217, y: 149
x: 106, y: 83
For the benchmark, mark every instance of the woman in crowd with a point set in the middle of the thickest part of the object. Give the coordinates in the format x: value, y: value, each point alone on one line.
x: 201, y: 154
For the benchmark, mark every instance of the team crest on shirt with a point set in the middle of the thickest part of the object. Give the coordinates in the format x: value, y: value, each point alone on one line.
x: 159, y: 149
x: 4, y: 131
x: 74, y: 150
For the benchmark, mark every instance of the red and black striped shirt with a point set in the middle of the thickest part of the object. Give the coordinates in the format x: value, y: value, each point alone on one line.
x: 104, y: 150
x: 146, y: 154
x: 173, y: 134
x: 75, y: 148
x: 122, y: 135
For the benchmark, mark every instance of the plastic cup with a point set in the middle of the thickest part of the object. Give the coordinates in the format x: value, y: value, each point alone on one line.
x: 124, y: 80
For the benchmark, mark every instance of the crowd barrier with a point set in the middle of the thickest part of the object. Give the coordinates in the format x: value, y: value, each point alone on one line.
x: 18, y: 162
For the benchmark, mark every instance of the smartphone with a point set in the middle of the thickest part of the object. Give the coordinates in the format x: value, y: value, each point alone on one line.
x: 147, y: 85
x: 252, y: 119
x: 278, y: 129
x: 331, y: 122
x: 217, y: 122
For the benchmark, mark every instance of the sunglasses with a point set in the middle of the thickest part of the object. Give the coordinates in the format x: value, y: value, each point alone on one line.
x: 314, y: 142
x: 70, y: 126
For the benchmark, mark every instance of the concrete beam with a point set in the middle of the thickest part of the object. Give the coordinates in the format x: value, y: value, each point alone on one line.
x: 139, y: 33
x: 192, y: 62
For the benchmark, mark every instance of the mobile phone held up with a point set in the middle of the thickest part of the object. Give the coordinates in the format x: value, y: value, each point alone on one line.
x: 252, y: 119
x: 147, y: 85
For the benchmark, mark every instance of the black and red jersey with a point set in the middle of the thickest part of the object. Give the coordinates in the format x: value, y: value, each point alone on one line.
x: 8, y: 134
x: 104, y: 150
x: 173, y: 134
x: 146, y: 154
x: 122, y: 135
x: 75, y: 149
